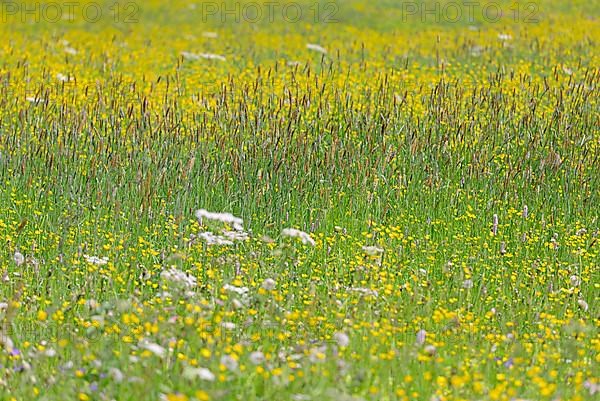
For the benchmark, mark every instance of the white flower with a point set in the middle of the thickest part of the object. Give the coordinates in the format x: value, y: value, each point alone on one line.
x: 269, y: 284
x: 305, y: 237
x: 237, y: 290
x: 583, y: 305
x: 211, y: 35
x: 18, y: 258
x: 575, y: 281
x: 227, y: 218
x: 199, y: 373
x: 228, y: 325
x: 317, y: 48
x: 70, y: 50
x: 116, y: 374
x: 6, y: 342
x: 229, y: 362
x: 421, y: 337
x: 372, y: 250
x: 495, y: 224
x: 364, y: 291
x: 468, y: 284
x: 178, y: 277
x: 154, y: 348
x: 34, y: 100
x: 198, y: 56
x: 257, y: 357
x: 210, y: 56
x: 430, y: 350
x: 236, y: 235
x: 504, y: 36
x: 341, y: 339
x: 592, y: 387
x: 63, y: 78
x: 212, y: 239
x: 95, y: 260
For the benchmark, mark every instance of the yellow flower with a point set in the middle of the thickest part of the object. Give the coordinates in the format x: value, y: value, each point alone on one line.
x: 42, y: 315
x: 202, y: 395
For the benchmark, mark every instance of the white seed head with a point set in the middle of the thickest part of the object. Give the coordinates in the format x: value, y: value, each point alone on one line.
x: 341, y: 339
x: 18, y: 258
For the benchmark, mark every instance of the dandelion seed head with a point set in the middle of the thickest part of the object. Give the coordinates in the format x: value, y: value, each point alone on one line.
x: 341, y: 339
x: 18, y: 258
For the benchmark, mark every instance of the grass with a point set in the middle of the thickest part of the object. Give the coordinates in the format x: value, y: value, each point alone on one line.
x: 446, y: 172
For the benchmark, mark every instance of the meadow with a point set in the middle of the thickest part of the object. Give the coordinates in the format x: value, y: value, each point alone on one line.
x: 357, y: 201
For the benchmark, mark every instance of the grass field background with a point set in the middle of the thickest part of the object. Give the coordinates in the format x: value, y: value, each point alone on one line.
x: 445, y: 173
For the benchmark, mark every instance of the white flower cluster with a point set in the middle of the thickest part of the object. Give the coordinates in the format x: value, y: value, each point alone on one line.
x: 95, y: 260
x: 305, y: 237
x: 227, y: 237
x: 226, y: 218
x: 316, y: 48
x: 242, y: 292
x: 178, y: 277
x: 372, y: 250
x: 206, y: 56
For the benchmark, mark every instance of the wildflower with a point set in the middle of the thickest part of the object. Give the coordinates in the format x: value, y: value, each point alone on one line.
x: 495, y: 225
x: 525, y: 211
x: 237, y: 290
x: 592, y: 387
x: 6, y: 342
x: 198, y: 56
x: 575, y: 281
x: 467, y: 284
x: 305, y: 237
x: 421, y: 337
x: 229, y: 362
x: 212, y: 239
x: 430, y: 350
x: 317, y: 354
x: 372, y: 250
x: 317, y: 48
x: 269, y: 284
x: 178, y: 277
x: 116, y: 374
x: 210, y: 35
x: 583, y: 305
x: 227, y: 218
x: 198, y: 373
x: 504, y: 36
x: 18, y: 258
x: 228, y: 325
x: 364, y: 291
x: 174, y: 397
x: 34, y: 100
x: 62, y: 77
x: 95, y: 260
x: 154, y: 348
x: 341, y: 339
x: 236, y: 235
x: 257, y: 357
